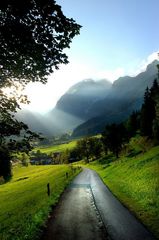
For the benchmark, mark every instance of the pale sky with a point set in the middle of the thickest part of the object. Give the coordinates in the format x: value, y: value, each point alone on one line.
x: 118, y: 37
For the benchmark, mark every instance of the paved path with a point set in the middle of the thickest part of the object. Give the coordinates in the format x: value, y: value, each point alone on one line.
x: 89, y: 211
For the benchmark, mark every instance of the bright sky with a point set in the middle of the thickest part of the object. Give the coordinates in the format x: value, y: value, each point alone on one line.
x: 118, y: 37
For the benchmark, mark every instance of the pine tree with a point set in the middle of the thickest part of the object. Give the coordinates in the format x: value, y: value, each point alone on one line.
x: 148, y: 114
x: 114, y: 136
x: 133, y: 123
x: 155, y: 96
x: 154, y: 91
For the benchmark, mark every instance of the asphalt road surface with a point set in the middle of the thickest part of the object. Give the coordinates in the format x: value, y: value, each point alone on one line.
x: 89, y: 211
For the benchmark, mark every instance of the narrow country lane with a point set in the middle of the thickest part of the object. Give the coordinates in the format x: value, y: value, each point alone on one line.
x: 88, y: 210
x: 76, y: 217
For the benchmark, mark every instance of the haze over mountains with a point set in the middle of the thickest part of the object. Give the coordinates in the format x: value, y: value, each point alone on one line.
x: 89, y: 105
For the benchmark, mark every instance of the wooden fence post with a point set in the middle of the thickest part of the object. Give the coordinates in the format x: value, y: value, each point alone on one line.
x: 48, y: 189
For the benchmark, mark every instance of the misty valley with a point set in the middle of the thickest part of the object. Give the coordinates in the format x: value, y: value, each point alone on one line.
x: 89, y: 105
x: 87, y: 168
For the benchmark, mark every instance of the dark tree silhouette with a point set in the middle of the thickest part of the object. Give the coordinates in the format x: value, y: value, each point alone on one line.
x: 155, y: 96
x: 89, y: 147
x: 148, y: 114
x: 95, y: 146
x: 114, y: 136
x: 5, y: 166
x: 154, y: 91
x: 84, y: 148
x: 33, y: 35
x: 133, y: 123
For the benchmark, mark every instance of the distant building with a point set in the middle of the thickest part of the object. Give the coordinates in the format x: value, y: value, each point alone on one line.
x: 41, y: 161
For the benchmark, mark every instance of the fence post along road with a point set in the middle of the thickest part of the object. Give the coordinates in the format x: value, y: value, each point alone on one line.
x: 88, y: 210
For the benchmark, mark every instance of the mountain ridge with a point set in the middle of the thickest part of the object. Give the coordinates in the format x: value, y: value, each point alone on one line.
x: 89, y: 105
x: 123, y: 98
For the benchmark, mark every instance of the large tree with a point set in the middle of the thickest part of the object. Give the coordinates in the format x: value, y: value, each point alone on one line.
x: 114, y: 136
x: 133, y: 123
x: 155, y: 97
x: 89, y: 148
x: 148, y: 114
x: 33, y: 35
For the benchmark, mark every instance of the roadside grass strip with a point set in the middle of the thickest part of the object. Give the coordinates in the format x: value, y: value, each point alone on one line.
x: 135, y: 182
x: 24, y: 202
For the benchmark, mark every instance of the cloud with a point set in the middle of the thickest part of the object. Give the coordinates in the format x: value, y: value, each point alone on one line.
x: 44, y: 97
x: 143, y: 64
x: 110, y: 75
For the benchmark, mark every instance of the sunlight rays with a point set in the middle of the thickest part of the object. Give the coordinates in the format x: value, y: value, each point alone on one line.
x: 54, y: 122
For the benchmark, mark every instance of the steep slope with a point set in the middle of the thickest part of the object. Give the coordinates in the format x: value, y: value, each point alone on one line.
x: 137, y: 188
x: 89, y: 105
x: 37, y: 122
x: 73, y: 107
x: 125, y: 95
x: 79, y: 98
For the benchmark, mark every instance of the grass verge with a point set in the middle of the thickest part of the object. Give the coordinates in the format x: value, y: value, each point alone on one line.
x: 24, y: 203
x: 135, y: 182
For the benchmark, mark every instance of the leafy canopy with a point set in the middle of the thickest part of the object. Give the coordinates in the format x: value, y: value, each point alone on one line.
x: 33, y: 35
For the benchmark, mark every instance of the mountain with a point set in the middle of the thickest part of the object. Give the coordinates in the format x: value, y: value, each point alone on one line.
x: 79, y: 98
x: 38, y: 122
x: 73, y: 107
x: 70, y: 111
x: 125, y: 95
x: 89, y: 105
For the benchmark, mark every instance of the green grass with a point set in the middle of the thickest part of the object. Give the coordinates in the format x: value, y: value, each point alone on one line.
x: 135, y: 181
x: 24, y: 203
x: 57, y: 148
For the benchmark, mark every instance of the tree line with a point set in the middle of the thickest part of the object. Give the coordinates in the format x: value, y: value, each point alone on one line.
x: 114, y: 137
x: 33, y: 36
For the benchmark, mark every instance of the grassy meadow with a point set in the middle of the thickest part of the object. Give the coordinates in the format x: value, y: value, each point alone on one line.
x: 56, y: 148
x: 24, y: 202
x: 135, y: 181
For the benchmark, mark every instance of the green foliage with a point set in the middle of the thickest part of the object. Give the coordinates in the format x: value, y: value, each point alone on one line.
x: 74, y: 154
x: 89, y: 147
x: 68, y: 152
x: 24, y: 203
x: 155, y: 95
x: 96, y: 147
x: 24, y: 158
x: 33, y: 35
x: 113, y: 137
x: 134, y: 180
x: 133, y: 124
x: 139, y: 145
x: 147, y: 114
x: 57, y: 148
x: 65, y: 156
x: 83, y: 148
x: 38, y: 154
